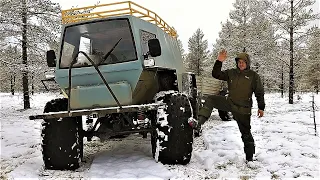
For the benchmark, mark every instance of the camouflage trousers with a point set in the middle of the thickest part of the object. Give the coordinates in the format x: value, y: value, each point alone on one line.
x: 241, y: 115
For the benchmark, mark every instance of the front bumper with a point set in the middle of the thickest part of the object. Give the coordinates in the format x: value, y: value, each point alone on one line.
x: 109, y: 110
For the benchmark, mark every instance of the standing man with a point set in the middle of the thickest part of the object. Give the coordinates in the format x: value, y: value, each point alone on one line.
x: 242, y: 83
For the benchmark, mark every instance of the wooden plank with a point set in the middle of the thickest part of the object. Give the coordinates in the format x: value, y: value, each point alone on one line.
x: 210, y: 89
x: 208, y: 85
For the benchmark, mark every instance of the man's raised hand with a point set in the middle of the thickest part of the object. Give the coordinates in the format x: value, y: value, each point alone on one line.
x: 222, y: 56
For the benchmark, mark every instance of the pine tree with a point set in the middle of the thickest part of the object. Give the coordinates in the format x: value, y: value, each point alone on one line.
x: 198, y: 52
x: 182, y: 51
x: 31, y: 25
x: 181, y: 48
x: 312, y: 65
x: 9, y: 65
x: 249, y: 30
x: 291, y: 17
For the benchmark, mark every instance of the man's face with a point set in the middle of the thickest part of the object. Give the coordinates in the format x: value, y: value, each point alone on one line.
x: 242, y: 65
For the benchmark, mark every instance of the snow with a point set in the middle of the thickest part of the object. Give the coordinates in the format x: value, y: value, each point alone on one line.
x: 121, y: 163
x: 286, y: 147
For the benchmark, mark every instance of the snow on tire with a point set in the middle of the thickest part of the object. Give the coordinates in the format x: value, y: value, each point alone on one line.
x: 173, y: 138
x: 62, y: 143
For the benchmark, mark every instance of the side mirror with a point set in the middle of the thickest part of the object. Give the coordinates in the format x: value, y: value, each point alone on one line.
x: 51, y: 58
x: 154, y: 47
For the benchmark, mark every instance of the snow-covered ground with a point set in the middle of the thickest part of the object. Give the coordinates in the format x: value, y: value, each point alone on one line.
x: 286, y: 147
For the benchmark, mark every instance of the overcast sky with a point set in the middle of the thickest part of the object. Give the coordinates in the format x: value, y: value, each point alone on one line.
x: 186, y: 16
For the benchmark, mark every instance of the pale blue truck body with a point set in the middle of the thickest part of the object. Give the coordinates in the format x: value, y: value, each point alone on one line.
x: 88, y: 90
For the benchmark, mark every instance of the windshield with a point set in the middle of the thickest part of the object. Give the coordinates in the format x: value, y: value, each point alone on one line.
x: 96, y: 40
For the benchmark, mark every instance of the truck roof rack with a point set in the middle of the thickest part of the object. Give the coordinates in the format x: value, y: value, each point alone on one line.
x: 115, y: 9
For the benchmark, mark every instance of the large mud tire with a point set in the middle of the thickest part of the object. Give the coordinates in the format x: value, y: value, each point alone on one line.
x: 172, y: 140
x: 62, y: 142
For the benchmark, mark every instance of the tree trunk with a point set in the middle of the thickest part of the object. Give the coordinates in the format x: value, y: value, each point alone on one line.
x: 25, y: 84
x: 282, y: 82
x: 291, y: 75
x: 13, y: 80
x: 198, y: 67
x: 198, y: 56
x: 32, y: 85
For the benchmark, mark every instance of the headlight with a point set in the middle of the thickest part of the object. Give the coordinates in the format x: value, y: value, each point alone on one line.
x: 149, y: 62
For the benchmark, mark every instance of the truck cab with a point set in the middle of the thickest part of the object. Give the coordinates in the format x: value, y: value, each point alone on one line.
x: 128, y: 65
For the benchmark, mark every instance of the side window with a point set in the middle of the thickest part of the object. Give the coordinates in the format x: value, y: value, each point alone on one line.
x: 145, y: 36
x: 67, y: 52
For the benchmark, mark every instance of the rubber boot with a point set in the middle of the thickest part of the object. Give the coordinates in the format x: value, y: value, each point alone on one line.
x: 249, y: 150
x: 224, y: 115
x: 198, y: 130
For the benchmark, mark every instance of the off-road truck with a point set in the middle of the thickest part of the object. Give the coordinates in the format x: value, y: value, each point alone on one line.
x: 119, y: 65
